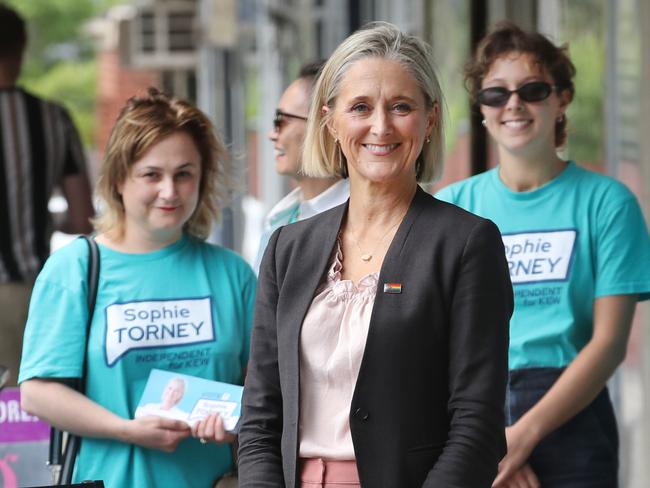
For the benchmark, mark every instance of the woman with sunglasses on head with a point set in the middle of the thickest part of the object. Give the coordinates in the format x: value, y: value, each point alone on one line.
x: 578, y: 253
x: 310, y: 195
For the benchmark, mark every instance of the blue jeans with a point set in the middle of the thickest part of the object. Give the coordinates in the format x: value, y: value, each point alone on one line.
x: 579, y: 454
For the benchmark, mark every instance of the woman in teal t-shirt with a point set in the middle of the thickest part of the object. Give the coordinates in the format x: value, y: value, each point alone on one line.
x: 166, y: 300
x: 578, y: 253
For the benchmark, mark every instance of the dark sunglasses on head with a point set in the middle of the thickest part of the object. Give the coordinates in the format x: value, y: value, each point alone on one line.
x: 498, y: 96
x: 278, y: 120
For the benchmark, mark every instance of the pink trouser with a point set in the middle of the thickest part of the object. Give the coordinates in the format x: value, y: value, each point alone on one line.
x: 317, y: 472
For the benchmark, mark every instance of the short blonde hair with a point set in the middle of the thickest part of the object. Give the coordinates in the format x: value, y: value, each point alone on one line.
x: 143, y: 122
x: 322, y: 157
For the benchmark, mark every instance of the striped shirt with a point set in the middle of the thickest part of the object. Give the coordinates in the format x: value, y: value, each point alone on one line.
x: 39, y: 146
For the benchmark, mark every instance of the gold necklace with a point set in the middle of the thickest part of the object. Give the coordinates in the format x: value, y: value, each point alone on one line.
x: 368, y: 256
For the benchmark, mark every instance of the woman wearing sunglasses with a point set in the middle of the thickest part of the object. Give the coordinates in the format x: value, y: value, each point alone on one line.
x: 578, y: 253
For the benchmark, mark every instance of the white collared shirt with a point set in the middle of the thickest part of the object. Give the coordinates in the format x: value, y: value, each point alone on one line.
x: 293, y: 208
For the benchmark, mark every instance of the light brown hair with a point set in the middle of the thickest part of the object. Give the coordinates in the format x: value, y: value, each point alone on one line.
x: 143, y: 122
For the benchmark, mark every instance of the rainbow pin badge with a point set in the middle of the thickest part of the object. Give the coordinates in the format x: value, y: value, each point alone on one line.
x: 392, y: 288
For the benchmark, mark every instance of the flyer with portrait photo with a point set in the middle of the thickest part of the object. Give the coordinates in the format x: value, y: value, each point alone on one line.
x: 188, y: 398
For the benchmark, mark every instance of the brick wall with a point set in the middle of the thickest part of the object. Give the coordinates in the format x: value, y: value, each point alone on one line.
x: 115, y: 84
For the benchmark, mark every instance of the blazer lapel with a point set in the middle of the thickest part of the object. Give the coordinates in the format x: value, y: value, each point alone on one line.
x: 308, y: 263
x: 390, y: 269
x: 393, y: 255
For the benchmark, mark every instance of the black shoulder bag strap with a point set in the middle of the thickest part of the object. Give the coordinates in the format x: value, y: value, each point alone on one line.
x: 66, y: 458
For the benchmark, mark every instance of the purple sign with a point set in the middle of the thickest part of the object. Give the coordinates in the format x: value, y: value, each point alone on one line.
x: 16, y: 425
x: 24, y: 441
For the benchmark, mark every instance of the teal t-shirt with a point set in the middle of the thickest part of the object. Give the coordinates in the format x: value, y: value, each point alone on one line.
x: 187, y: 307
x: 579, y: 237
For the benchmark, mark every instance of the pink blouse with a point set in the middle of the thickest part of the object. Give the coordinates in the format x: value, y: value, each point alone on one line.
x: 332, y: 341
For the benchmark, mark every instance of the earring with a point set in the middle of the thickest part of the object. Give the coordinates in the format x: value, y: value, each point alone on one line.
x: 484, y: 123
x: 560, y: 119
x: 428, y: 139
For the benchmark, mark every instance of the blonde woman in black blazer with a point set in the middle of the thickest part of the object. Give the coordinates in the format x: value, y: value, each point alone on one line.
x: 426, y: 407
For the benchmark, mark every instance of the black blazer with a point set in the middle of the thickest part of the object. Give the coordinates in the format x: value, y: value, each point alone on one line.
x: 428, y: 404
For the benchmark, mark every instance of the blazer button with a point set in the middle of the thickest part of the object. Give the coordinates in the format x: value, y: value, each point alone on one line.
x: 361, y: 414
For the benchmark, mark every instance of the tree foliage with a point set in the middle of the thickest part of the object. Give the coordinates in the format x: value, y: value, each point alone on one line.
x: 586, y: 112
x: 59, y: 62
x: 583, y: 27
x: 73, y: 85
x: 451, y: 50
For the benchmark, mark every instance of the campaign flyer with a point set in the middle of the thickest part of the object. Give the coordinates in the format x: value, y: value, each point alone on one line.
x: 189, y: 398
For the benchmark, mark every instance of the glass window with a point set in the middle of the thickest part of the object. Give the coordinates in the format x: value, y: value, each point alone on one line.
x: 148, y: 32
x: 448, y: 34
x: 582, y: 26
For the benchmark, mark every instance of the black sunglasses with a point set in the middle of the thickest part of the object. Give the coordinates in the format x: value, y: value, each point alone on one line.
x: 498, y: 96
x: 278, y: 120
